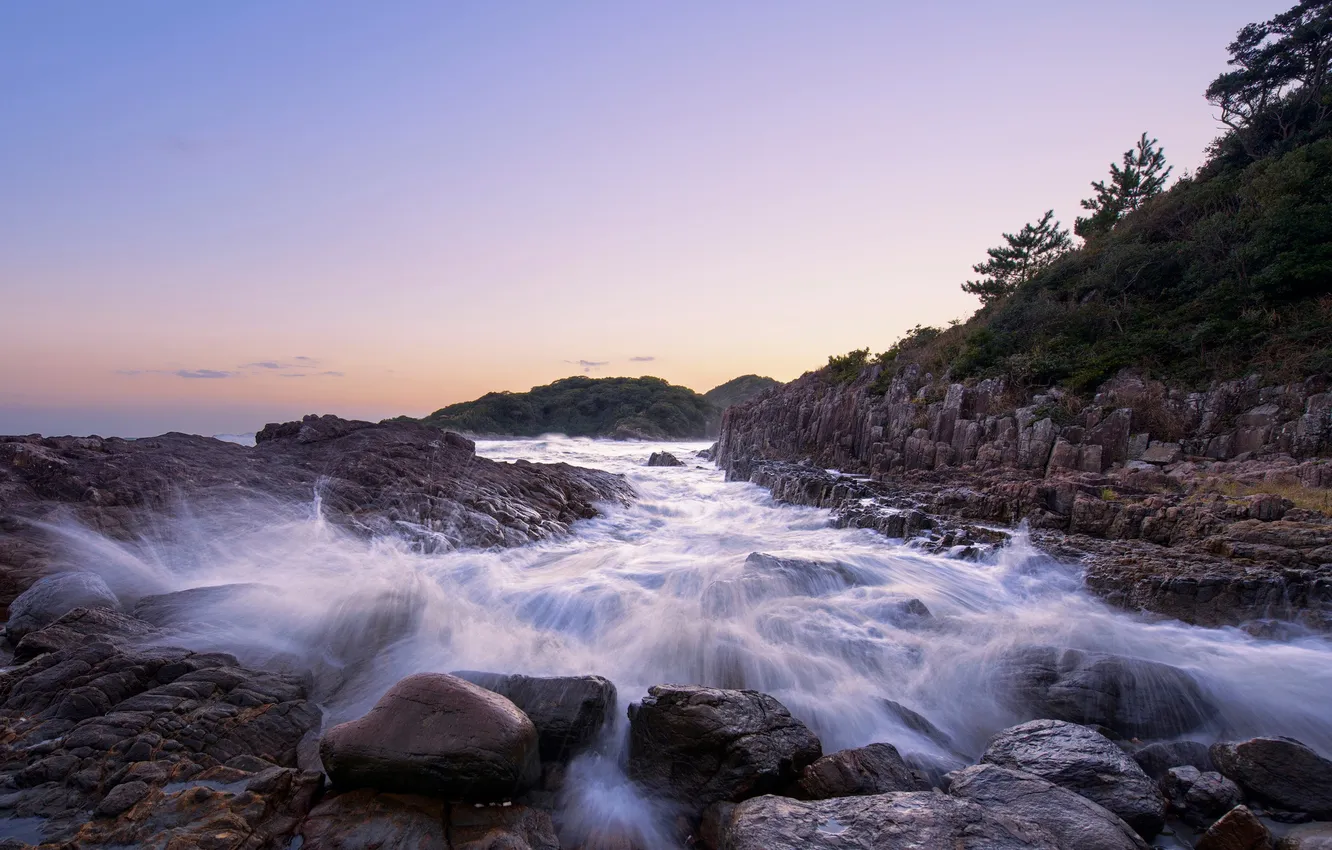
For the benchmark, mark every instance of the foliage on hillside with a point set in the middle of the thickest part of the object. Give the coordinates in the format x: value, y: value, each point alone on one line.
x: 1226, y: 273
x: 738, y: 390
x: 584, y: 407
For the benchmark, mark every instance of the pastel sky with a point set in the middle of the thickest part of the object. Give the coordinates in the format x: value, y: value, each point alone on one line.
x: 219, y: 214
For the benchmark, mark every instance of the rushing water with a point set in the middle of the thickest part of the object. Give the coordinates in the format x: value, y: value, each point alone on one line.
x: 631, y: 596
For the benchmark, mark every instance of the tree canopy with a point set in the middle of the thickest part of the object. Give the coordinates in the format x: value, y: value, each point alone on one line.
x: 1142, y: 176
x: 1017, y: 261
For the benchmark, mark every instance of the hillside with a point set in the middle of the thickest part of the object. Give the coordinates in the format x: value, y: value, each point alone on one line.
x: 624, y: 408
x: 735, y: 391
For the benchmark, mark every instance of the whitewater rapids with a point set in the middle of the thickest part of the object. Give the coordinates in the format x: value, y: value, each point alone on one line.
x: 625, y: 596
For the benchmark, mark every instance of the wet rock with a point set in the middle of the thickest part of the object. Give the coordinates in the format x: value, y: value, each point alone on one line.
x: 664, y: 459
x: 879, y: 822
x: 51, y: 597
x: 1084, y: 762
x: 440, y: 735
x: 1239, y: 829
x: 875, y: 769
x: 917, y: 722
x: 1155, y: 759
x: 369, y: 820
x: 767, y: 576
x: 79, y: 628
x: 700, y: 745
x: 121, y: 798
x: 1309, y: 836
x: 1074, y: 820
x: 210, y: 604
x: 1199, y: 797
x: 1132, y: 696
x: 500, y: 828
x: 568, y: 711
x: 1281, y: 771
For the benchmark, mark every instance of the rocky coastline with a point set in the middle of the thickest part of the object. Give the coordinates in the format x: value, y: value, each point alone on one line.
x: 1186, y: 505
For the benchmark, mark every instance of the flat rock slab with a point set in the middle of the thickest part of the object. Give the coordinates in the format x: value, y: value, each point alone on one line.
x: 440, y: 735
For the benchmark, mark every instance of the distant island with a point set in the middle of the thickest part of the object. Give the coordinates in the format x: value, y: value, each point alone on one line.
x: 620, y: 408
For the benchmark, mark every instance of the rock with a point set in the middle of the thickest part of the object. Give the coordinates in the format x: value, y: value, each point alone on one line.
x: 51, y: 597
x: 875, y: 769
x: 1309, y: 836
x: 1073, y: 820
x: 1199, y: 797
x: 1155, y: 759
x: 1282, y: 771
x: 698, y: 745
x: 568, y: 711
x: 664, y: 459
x: 917, y: 723
x: 500, y: 828
x: 921, y: 819
x: 1240, y: 829
x: 439, y: 735
x: 1132, y: 696
x: 1084, y: 762
x: 1161, y: 453
x: 368, y: 820
x: 183, y: 607
x: 81, y: 627
x: 769, y: 577
x: 121, y: 798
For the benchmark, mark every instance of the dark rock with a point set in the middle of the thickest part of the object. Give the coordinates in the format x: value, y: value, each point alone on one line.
x: 121, y: 798
x: 1155, y: 759
x: 53, y: 596
x: 1132, y: 696
x: 568, y: 711
x: 875, y: 769
x: 183, y: 607
x: 1239, y: 829
x: 664, y: 459
x: 1074, y: 820
x: 1084, y: 762
x: 768, y: 577
x: 500, y: 828
x: 917, y: 722
x: 1281, y: 771
x: 370, y: 820
x: 923, y: 820
x: 1311, y: 836
x: 1199, y: 797
x: 698, y: 745
x: 439, y: 735
x: 79, y: 628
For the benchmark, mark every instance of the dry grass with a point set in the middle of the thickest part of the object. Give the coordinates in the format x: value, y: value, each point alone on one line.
x: 1286, y: 486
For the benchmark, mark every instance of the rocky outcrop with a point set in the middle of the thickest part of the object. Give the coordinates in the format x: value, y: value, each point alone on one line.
x: 697, y: 745
x: 400, y: 479
x: 1084, y: 762
x: 438, y: 735
x: 875, y: 769
x: 664, y: 459
x: 1281, y: 771
x: 53, y: 596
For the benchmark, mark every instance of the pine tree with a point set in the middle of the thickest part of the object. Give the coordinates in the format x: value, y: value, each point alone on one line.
x: 1143, y: 176
x: 1017, y: 261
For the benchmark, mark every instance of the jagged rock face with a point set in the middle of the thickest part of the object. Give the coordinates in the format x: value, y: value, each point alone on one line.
x: 698, y: 745
x: 1133, y: 697
x: 1084, y: 762
x: 1281, y: 771
x: 438, y: 735
x: 392, y: 478
x: 875, y: 769
x: 1072, y: 819
x: 878, y: 822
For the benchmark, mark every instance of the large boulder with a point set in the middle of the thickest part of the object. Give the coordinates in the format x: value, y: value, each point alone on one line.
x: 699, y: 745
x: 875, y: 769
x: 664, y: 459
x: 212, y: 604
x: 1282, y: 771
x: 921, y: 819
x: 568, y: 711
x: 53, y: 596
x: 439, y: 735
x: 1074, y: 820
x: 1085, y: 762
x: 1199, y: 797
x: 1131, y: 696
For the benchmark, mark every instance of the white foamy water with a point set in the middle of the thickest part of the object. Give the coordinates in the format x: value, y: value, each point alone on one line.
x: 628, y: 596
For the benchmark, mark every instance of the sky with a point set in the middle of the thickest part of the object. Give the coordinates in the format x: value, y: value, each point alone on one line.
x: 215, y: 215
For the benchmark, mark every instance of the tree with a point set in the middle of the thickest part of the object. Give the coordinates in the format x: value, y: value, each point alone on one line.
x: 1143, y: 176
x: 1280, y: 82
x: 1017, y: 261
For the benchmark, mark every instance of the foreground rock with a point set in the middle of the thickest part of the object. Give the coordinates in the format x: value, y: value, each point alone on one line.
x: 1157, y: 758
x: 697, y: 745
x: 568, y: 711
x: 1072, y: 819
x: 925, y: 820
x: 148, y: 739
x: 1133, y: 697
x: 1199, y: 797
x: 438, y: 735
x: 876, y: 769
x: 371, y: 820
x: 53, y: 596
x: 1240, y: 829
x: 1281, y: 771
x: 394, y: 478
x: 1084, y: 762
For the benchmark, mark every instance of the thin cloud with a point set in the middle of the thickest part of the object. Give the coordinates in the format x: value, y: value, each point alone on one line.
x: 292, y: 375
x: 265, y: 364
x: 588, y: 365
x: 129, y: 371
x: 305, y: 359
x: 203, y: 373
x: 333, y: 374
x: 641, y: 359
